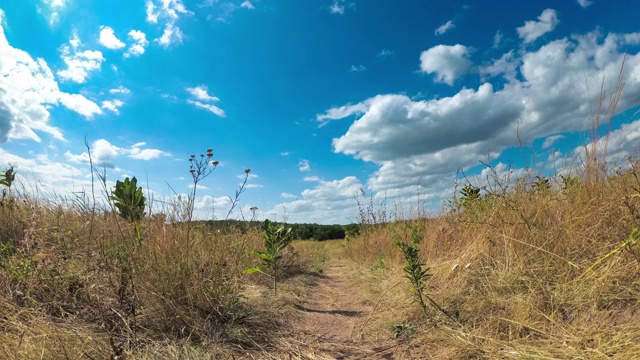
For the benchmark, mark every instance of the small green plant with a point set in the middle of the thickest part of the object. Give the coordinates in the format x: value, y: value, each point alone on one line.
x: 569, y: 182
x: 130, y: 201
x: 416, y: 271
x: 542, y: 184
x: 6, y: 179
x: 403, y: 330
x: 276, y: 239
x: 470, y: 194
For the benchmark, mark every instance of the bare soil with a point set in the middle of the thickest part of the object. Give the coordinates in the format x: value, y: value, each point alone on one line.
x: 331, y: 322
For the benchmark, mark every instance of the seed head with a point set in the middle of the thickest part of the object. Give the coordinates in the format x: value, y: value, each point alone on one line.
x: 246, y: 171
x: 215, y: 163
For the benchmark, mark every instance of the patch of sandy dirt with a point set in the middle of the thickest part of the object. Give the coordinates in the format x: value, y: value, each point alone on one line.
x: 331, y: 322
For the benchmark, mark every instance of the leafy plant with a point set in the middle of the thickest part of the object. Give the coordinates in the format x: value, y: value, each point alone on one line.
x: 130, y: 201
x: 9, y: 175
x: 542, y: 184
x: 276, y: 238
x: 416, y: 271
x: 470, y: 194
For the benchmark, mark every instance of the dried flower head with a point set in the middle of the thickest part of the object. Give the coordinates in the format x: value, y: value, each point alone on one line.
x: 215, y: 163
x: 246, y: 171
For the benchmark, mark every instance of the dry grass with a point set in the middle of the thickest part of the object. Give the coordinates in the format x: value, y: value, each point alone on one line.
x: 513, y: 270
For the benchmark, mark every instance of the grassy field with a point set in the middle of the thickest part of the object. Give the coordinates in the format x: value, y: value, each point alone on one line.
x: 528, y: 268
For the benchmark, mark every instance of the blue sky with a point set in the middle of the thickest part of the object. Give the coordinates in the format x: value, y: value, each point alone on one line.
x: 320, y: 98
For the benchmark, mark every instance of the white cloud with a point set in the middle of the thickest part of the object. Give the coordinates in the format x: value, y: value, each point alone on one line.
x: 28, y: 90
x: 202, y: 99
x: 79, y: 64
x: 357, y: 68
x: 80, y: 104
x: 287, y: 196
x: 385, y: 53
x: 169, y: 11
x: 304, y: 165
x: 329, y: 201
x: 550, y: 140
x: 139, y: 45
x: 112, y: 105
x: 445, y: 27
x: 585, y: 3
x: 247, y: 5
x: 171, y: 35
x: 120, y: 90
x: 202, y: 93
x: 49, y: 176
x: 545, y: 94
x: 497, y: 39
x: 531, y: 30
x: 447, y: 62
x: 337, y: 7
x: 342, y: 112
x: 109, y: 40
x: 506, y: 66
x: 152, y: 12
x: 104, y: 154
x: 209, y: 107
x: 311, y: 178
x: 52, y: 10
x: 135, y: 152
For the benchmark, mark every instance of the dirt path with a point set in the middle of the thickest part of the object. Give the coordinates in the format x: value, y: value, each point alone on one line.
x: 332, y: 318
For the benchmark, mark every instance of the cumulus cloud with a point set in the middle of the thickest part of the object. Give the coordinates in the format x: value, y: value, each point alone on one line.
x: 28, y: 90
x: 200, y: 98
x: 139, y: 45
x: 79, y: 63
x: 531, y: 30
x: 52, y: 177
x: 112, y: 105
x: 104, y: 154
x: 109, y: 40
x: 425, y: 142
x: 287, y: 196
x: 445, y: 27
x: 168, y: 12
x: 330, y: 201
x: 447, y: 62
x: 304, y: 165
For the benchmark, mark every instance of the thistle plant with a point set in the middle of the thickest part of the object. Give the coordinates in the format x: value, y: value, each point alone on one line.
x: 199, y: 169
x: 276, y: 239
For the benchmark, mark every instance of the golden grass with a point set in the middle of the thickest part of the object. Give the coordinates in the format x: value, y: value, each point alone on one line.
x: 509, y: 269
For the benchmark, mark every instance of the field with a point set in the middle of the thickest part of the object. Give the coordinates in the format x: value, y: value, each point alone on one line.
x: 527, y: 268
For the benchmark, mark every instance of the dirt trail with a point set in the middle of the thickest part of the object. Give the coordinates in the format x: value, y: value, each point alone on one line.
x: 332, y: 318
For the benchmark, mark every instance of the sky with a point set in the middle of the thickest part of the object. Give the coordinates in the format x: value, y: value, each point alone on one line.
x: 322, y: 99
